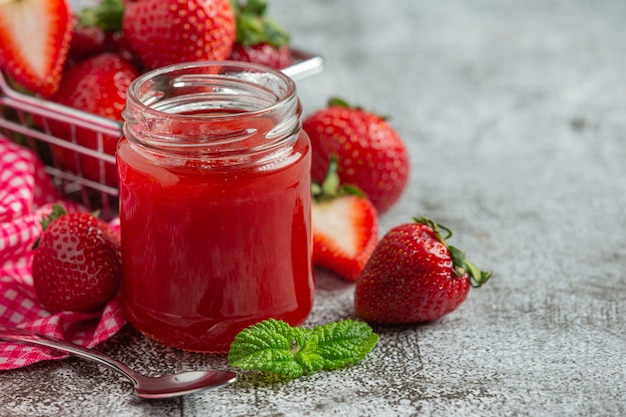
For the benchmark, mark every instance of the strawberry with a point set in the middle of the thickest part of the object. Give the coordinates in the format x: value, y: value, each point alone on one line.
x: 86, y: 40
x: 99, y: 29
x: 34, y: 41
x: 76, y: 265
x: 264, y: 54
x: 414, y: 276
x: 373, y: 156
x: 116, y: 42
x: 163, y: 32
x: 345, y: 226
x: 96, y: 85
x: 259, y: 39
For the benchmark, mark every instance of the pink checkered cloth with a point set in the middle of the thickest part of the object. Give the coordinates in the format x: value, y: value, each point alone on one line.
x: 26, y: 194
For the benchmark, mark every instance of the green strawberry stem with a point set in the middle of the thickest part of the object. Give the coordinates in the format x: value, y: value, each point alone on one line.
x: 461, y: 265
x: 332, y: 187
x: 340, y: 102
x: 57, y: 211
x: 107, y: 15
x: 254, y: 27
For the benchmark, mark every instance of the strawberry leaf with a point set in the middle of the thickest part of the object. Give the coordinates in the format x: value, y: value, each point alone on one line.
x: 478, y: 276
x: 57, y: 211
x: 106, y: 15
x: 436, y: 228
x: 331, y: 183
x: 461, y: 265
x: 254, y: 27
x: 332, y: 186
x: 338, y: 102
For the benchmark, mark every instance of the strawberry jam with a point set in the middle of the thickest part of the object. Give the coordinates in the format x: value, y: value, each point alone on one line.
x: 214, y: 174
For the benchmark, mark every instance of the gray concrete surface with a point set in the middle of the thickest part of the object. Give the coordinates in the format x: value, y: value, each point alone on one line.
x: 515, y: 116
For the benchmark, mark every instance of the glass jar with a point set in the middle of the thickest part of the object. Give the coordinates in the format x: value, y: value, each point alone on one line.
x: 215, y: 203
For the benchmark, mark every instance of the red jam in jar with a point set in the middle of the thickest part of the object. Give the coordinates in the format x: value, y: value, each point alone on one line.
x: 215, y: 203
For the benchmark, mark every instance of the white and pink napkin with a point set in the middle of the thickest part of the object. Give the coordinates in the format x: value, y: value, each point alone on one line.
x: 26, y: 194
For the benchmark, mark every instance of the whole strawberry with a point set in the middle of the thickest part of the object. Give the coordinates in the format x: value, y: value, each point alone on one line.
x: 345, y: 226
x: 96, y: 85
x: 372, y: 154
x: 164, y: 32
x: 76, y: 265
x: 414, y: 276
x: 34, y: 41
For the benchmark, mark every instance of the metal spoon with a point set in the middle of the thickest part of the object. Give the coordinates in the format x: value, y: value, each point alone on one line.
x: 145, y: 387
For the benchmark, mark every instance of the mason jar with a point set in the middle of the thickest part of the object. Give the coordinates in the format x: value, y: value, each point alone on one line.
x: 215, y: 203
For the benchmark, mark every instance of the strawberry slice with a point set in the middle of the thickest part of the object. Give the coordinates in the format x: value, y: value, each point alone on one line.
x: 34, y: 39
x: 345, y: 226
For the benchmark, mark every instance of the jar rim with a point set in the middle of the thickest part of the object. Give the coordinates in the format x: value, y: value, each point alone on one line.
x: 213, y: 110
x: 226, y: 70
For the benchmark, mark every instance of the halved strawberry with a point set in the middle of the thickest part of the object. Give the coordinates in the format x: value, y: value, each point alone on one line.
x: 345, y: 226
x: 34, y: 40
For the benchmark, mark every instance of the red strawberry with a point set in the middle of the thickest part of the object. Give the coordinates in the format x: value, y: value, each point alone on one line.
x: 116, y: 42
x: 163, y: 32
x: 96, y: 85
x: 34, y: 40
x: 86, y: 40
x: 259, y: 39
x: 345, y: 227
x: 99, y: 29
x: 372, y: 154
x: 414, y: 276
x: 76, y: 265
x: 264, y: 54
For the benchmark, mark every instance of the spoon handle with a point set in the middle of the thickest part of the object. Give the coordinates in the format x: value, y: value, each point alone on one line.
x: 27, y: 336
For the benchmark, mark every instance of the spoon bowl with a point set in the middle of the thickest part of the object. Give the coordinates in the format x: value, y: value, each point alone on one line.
x: 164, y: 386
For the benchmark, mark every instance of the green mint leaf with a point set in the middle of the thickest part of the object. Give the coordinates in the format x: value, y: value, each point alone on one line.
x: 267, y: 346
x: 274, y: 346
x: 344, y: 342
x: 308, y: 357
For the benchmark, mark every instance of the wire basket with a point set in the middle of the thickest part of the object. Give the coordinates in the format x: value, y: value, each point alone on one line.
x: 27, y: 120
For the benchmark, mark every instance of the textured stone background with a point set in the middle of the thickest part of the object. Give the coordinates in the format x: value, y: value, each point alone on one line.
x: 515, y: 116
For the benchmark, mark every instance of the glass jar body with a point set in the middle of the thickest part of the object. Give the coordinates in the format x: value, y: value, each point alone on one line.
x: 215, y: 236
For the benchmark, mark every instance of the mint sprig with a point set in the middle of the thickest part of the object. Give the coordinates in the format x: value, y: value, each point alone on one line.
x: 275, y: 346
